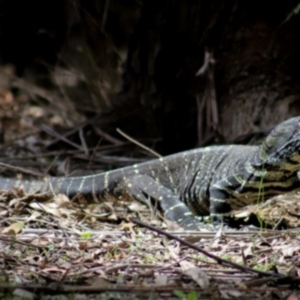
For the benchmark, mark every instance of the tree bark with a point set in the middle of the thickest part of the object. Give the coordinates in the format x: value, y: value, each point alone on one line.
x: 256, y: 69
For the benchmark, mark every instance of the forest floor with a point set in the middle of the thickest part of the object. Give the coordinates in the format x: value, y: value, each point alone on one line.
x: 53, y: 247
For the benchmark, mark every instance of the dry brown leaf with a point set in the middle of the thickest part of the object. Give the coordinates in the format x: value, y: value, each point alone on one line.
x: 113, y: 217
x: 288, y: 251
x: 161, y: 280
x: 230, y: 294
x: 14, y: 228
x: 50, y: 208
x: 249, y: 251
x: 195, y: 273
x: 62, y: 201
x: 136, y: 206
x: 43, y: 262
x: 127, y: 226
x: 83, y: 245
x: 42, y: 241
x: 100, y: 282
x: 34, y: 216
x: 293, y: 296
x: 61, y: 209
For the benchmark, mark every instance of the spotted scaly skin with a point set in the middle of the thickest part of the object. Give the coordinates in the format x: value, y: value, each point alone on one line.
x: 205, y: 181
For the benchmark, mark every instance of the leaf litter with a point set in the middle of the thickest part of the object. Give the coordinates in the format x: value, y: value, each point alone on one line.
x: 50, y: 239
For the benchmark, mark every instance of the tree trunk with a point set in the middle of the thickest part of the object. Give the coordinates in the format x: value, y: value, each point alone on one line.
x: 256, y: 68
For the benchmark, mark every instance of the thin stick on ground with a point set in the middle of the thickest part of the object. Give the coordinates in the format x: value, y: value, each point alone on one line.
x: 219, y: 260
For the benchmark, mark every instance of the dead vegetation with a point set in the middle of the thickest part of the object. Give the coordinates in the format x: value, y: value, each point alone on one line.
x: 54, y: 246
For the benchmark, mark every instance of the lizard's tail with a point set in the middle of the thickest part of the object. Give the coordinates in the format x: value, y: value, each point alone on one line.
x: 91, y: 186
x: 29, y: 186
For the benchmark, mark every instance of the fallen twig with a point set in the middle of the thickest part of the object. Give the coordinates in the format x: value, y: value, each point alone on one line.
x: 219, y: 260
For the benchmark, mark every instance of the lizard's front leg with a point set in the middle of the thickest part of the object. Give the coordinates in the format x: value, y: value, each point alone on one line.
x: 224, y: 197
x: 144, y: 188
x: 218, y: 208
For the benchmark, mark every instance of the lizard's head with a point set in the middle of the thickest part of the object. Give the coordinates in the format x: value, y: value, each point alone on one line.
x: 282, y: 145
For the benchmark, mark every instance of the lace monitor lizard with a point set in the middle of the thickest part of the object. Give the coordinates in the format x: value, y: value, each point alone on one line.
x: 205, y: 181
